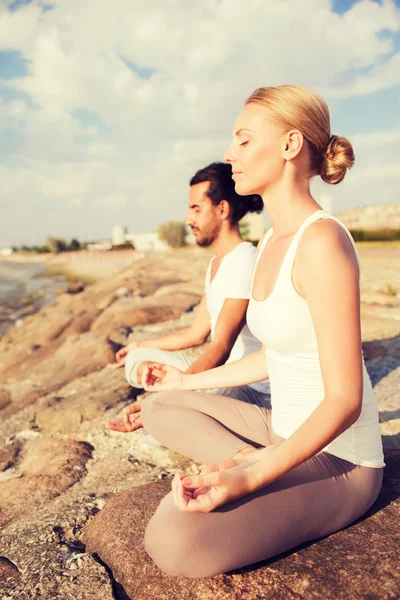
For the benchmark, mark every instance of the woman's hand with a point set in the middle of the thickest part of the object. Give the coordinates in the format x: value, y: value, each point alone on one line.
x: 221, y: 483
x: 216, y: 485
x: 160, y: 378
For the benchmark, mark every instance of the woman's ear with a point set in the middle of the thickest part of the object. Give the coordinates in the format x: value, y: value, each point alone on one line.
x: 292, y: 144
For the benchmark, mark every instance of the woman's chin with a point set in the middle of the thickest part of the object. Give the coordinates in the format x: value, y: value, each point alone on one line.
x: 243, y: 189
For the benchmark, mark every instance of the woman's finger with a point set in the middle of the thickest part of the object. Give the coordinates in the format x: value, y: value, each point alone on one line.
x: 174, y: 488
x: 178, y: 491
x: 208, y: 469
x: 198, y: 481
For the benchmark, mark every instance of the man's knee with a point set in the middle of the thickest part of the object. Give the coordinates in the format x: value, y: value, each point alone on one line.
x: 151, y: 408
x: 141, y: 368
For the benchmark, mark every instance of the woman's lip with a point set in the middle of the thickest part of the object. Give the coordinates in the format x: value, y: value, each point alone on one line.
x: 236, y: 173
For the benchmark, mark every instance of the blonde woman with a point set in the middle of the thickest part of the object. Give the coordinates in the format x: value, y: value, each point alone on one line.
x: 313, y: 464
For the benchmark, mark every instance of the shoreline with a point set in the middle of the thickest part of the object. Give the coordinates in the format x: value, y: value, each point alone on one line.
x: 25, y: 288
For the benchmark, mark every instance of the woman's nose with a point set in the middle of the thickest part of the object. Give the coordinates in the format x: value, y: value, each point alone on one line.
x: 228, y: 156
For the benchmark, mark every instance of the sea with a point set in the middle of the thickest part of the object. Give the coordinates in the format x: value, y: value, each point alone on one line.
x: 25, y: 288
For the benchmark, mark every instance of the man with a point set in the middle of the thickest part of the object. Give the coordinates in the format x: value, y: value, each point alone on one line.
x: 215, y: 210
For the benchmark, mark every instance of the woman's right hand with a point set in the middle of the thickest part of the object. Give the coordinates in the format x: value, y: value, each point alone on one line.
x: 160, y: 378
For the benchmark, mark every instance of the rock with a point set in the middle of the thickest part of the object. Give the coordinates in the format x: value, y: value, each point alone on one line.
x: 139, y: 311
x: 82, y: 401
x: 75, y: 287
x: 78, y: 356
x: 51, y: 384
x: 8, y: 570
x: 47, y: 330
x: 119, y: 334
x: 9, y: 455
x: 47, y: 468
x: 356, y: 563
x: 373, y: 350
x: 5, y: 397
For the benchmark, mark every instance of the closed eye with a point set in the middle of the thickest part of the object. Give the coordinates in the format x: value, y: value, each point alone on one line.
x: 244, y: 143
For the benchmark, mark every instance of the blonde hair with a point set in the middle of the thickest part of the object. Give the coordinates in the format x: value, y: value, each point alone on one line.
x: 295, y: 107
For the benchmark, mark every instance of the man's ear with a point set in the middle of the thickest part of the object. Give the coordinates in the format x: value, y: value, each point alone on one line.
x: 224, y: 209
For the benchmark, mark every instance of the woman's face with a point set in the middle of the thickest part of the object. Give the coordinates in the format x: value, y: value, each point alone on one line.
x: 257, y: 151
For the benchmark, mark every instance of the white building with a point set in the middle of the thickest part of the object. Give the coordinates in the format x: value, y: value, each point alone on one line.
x: 6, y: 251
x: 118, y: 235
x: 146, y: 242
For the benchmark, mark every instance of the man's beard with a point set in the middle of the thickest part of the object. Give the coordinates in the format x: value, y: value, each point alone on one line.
x: 206, y: 239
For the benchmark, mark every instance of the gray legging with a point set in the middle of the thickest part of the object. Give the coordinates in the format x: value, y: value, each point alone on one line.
x: 320, y: 496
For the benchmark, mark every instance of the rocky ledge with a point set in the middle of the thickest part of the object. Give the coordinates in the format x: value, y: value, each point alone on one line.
x: 59, y: 465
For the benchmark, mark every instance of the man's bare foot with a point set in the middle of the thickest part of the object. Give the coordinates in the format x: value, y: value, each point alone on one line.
x: 244, y: 452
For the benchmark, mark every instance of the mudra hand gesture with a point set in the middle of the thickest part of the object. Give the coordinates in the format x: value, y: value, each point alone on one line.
x: 160, y: 378
x: 216, y: 485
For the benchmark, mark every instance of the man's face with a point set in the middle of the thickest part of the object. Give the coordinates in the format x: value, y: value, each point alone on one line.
x: 203, y: 215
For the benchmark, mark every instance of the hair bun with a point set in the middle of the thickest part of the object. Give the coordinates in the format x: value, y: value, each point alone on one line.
x: 337, y: 158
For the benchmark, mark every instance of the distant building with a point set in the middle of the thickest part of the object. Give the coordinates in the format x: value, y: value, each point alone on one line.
x: 146, y: 242
x: 119, y: 235
x: 6, y: 251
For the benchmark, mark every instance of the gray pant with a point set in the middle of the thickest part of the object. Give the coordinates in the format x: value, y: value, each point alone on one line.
x: 181, y: 360
x: 320, y: 496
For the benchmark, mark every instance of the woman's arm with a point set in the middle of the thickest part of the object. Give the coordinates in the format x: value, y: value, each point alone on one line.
x: 326, y: 273
x: 248, y: 369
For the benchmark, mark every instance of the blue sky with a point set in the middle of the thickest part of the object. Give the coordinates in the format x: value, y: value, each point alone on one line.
x: 106, y: 113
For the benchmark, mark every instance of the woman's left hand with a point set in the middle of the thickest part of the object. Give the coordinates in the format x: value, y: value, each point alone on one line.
x: 210, y: 489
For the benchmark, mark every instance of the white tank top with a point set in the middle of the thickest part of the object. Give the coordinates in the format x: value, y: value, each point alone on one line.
x: 283, y: 323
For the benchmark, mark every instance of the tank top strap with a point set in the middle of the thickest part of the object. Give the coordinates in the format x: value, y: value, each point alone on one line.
x: 260, y: 251
x: 264, y: 243
x: 292, y: 250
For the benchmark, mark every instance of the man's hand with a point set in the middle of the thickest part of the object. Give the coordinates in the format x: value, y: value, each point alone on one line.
x: 120, y: 356
x: 130, y: 422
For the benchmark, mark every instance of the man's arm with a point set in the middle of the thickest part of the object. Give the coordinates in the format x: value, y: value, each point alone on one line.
x: 188, y: 337
x: 195, y: 335
x: 230, y: 322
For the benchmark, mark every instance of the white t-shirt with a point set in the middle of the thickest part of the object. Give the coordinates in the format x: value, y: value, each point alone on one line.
x: 233, y: 280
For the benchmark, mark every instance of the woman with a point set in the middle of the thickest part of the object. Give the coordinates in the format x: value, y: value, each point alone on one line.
x: 313, y: 464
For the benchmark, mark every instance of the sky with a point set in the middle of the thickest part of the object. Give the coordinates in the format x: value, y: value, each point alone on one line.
x: 108, y: 108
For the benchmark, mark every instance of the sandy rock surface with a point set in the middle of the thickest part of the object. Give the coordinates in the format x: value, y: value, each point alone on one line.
x: 60, y: 465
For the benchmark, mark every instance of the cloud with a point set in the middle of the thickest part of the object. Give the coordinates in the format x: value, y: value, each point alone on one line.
x: 376, y: 139
x: 122, y: 103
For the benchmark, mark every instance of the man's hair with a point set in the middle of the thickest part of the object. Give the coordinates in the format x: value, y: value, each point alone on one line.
x: 222, y: 187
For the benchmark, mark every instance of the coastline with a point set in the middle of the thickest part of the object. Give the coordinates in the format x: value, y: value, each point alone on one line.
x: 25, y: 288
